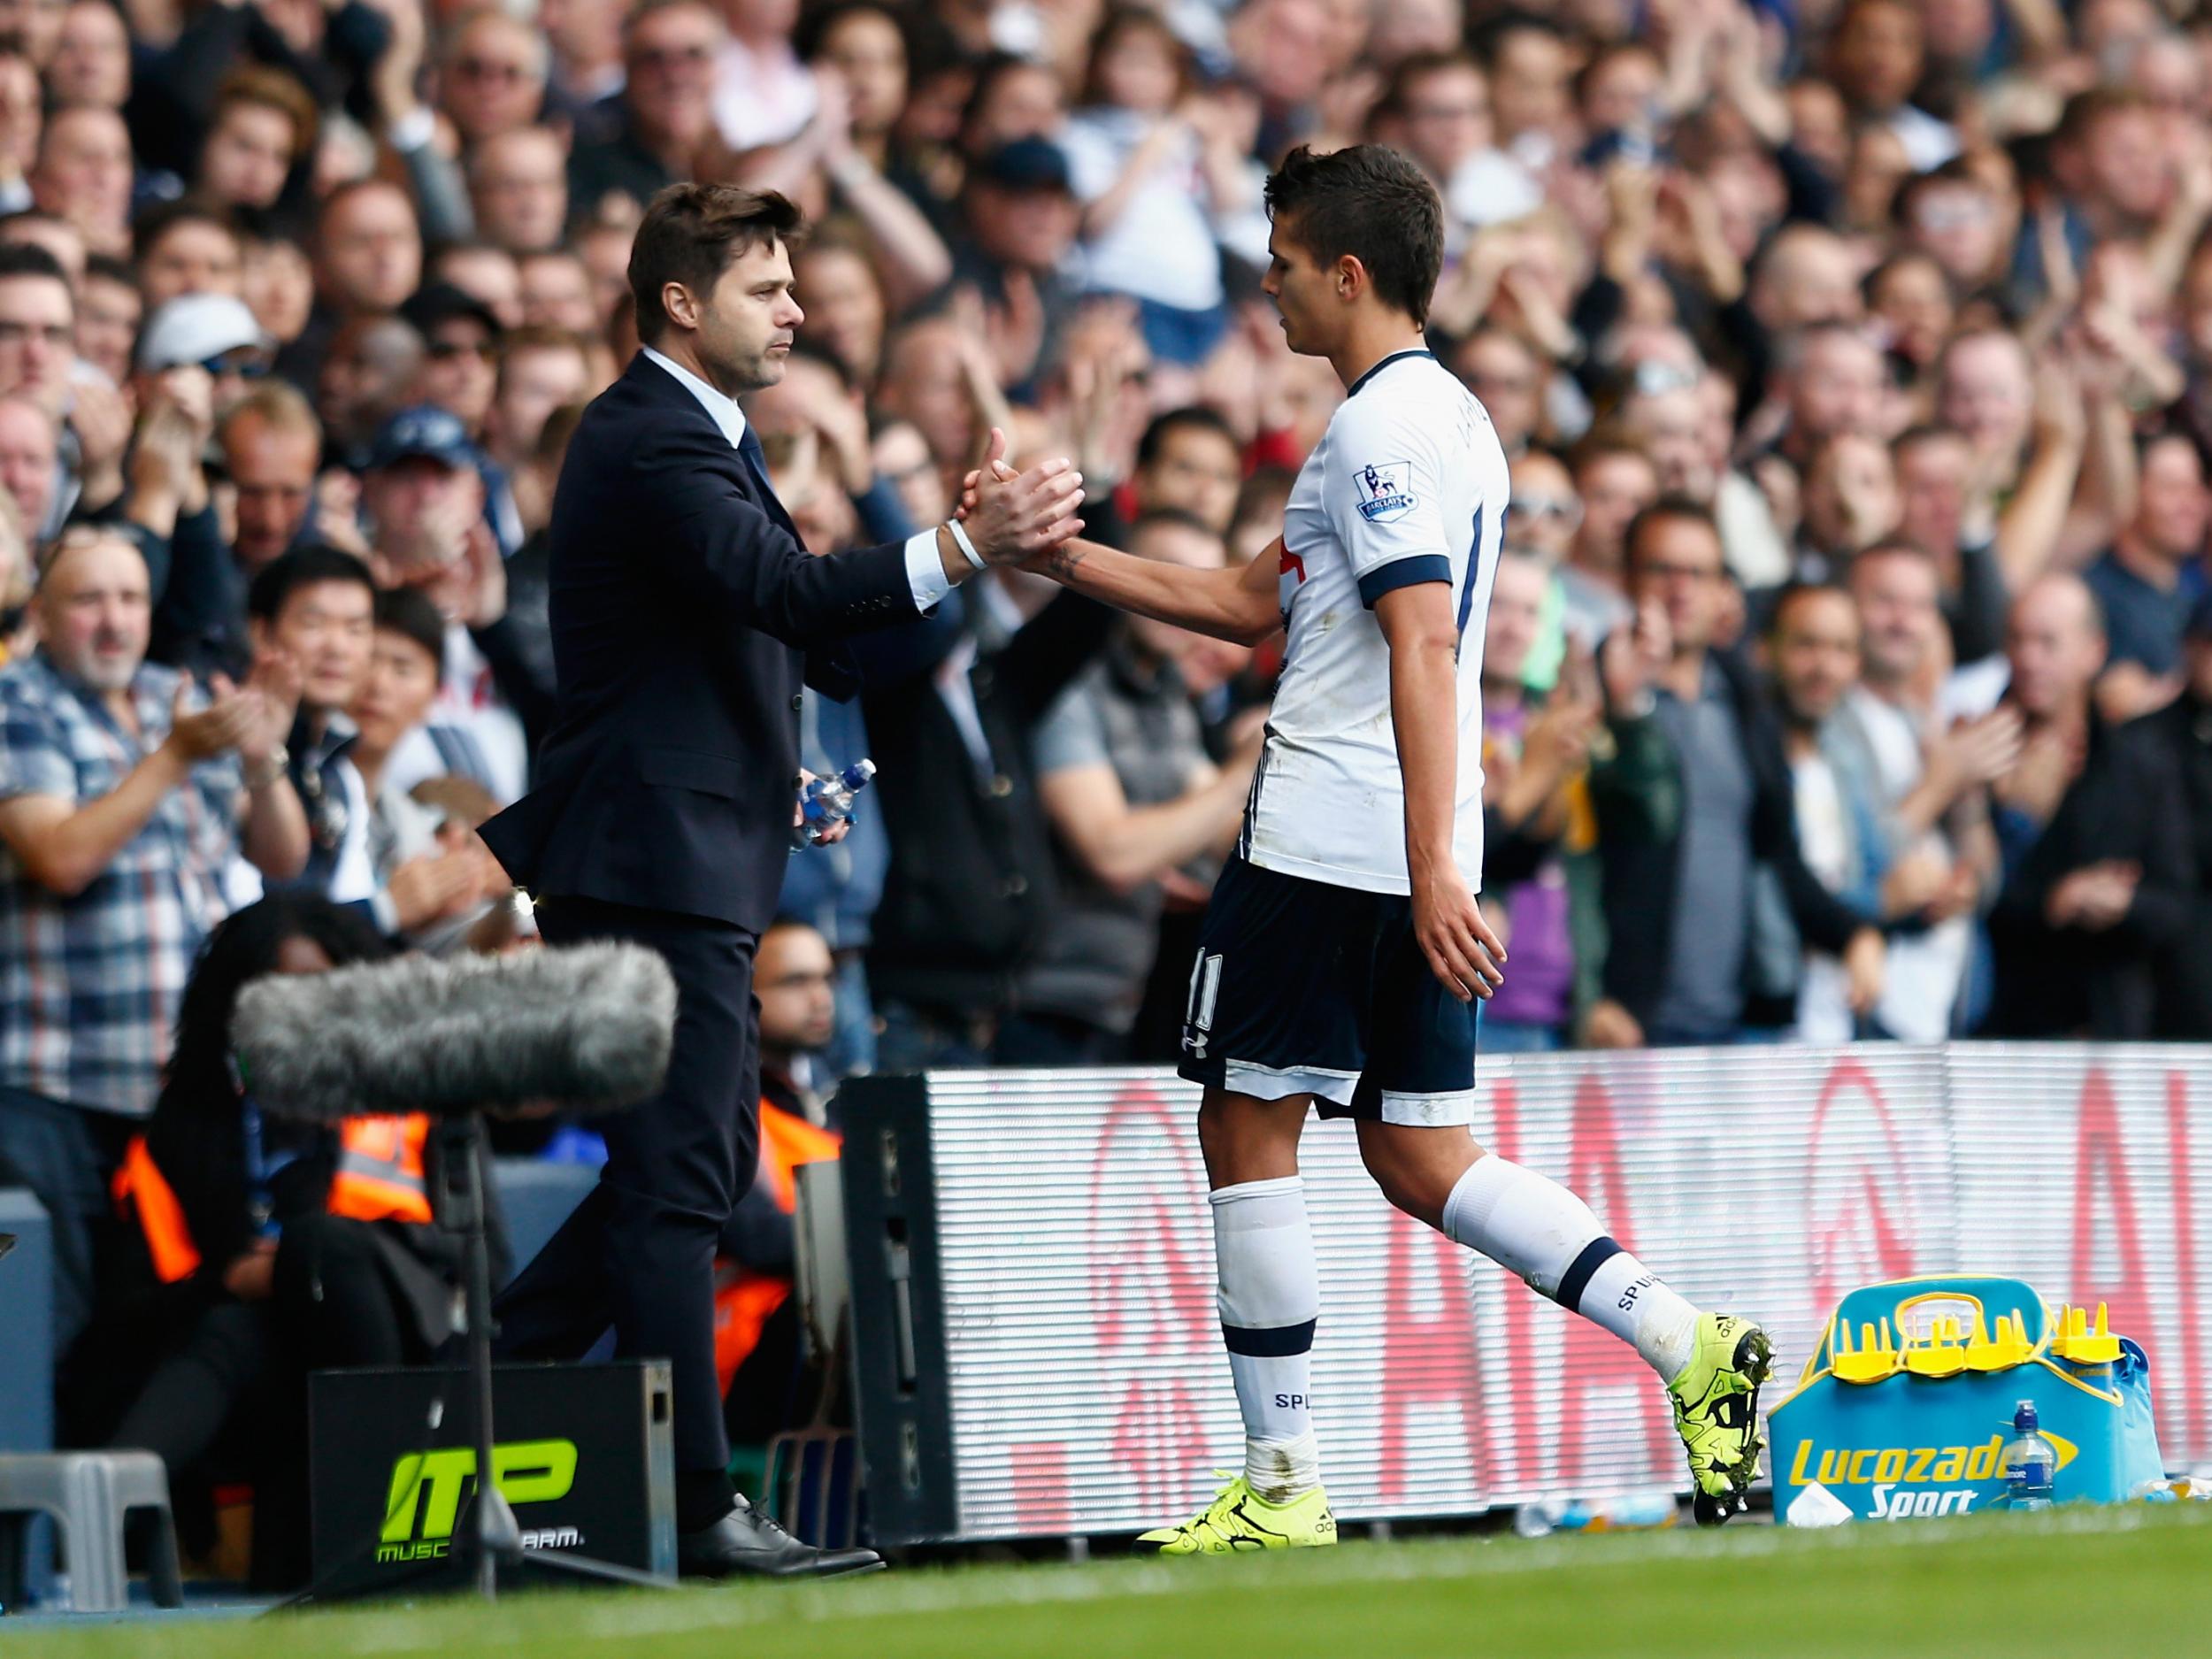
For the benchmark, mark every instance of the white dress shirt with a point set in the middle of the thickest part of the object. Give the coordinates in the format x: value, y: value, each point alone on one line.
x: 924, y: 570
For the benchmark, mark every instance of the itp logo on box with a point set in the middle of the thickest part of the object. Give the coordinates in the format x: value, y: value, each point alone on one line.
x: 427, y: 1490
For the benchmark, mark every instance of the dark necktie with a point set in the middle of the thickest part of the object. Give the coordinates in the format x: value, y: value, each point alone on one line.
x: 748, y: 450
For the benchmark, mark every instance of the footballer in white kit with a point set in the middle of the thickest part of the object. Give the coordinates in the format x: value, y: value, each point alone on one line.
x: 1343, y: 953
x: 1308, y: 980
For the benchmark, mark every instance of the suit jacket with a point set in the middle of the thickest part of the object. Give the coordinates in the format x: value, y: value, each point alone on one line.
x: 683, y: 613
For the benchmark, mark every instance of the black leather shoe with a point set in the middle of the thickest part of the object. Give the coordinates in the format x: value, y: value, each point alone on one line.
x: 748, y: 1543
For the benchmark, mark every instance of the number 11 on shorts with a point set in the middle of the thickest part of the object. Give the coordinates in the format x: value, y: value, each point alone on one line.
x: 1198, y: 1010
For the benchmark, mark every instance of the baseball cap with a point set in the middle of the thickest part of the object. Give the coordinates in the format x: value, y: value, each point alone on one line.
x: 1026, y: 163
x: 425, y: 431
x: 197, y: 328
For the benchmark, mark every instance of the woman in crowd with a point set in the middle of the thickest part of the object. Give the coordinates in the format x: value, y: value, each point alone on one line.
x: 256, y: 1249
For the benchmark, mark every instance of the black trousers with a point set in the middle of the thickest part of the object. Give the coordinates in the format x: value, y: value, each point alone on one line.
x: 638, y: 1252
x: 232, y: 1389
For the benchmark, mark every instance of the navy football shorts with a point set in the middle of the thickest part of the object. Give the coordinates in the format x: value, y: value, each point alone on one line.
x: 1302, y: 987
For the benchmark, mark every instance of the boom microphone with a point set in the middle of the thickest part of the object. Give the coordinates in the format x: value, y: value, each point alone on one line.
x: 587, y: 1027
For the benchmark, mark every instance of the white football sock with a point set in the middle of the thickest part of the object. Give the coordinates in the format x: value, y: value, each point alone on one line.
x: 1532, y: 1225
x: 1270, y: 1297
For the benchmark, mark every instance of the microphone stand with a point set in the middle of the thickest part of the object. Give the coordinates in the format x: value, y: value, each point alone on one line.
x: 486, y: 1539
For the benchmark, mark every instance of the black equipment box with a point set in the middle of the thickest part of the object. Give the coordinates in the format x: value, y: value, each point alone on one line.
x: 583, y: 1454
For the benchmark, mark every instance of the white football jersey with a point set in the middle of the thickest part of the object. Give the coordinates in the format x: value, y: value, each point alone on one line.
x: 1408, y: 485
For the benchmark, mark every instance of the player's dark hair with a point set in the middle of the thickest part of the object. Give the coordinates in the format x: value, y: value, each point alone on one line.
x: 303, y: 567
x: 408, y: 611
x: 690, y: 233
x: 1372, y: 203
x: 1190, y: 418
x: 1672, y: 507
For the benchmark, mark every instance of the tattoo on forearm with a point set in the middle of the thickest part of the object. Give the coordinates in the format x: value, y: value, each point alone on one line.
x: 1061, y: 561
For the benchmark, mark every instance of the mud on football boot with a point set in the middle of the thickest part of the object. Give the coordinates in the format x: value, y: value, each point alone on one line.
x: 1240, y: 1520
x: 1716, y: 1401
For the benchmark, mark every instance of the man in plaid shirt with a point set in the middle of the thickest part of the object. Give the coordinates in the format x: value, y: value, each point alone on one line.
x: 125, y: 795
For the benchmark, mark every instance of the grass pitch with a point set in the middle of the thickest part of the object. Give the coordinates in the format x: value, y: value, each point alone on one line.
x: 2078, y: 1581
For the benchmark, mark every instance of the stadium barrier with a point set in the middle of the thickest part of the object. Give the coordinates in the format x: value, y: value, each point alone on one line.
x: 1034, y: 1284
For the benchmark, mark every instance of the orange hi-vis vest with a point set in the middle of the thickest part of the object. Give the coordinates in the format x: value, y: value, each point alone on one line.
x: 380, y: 1177
x: 741, y: 1309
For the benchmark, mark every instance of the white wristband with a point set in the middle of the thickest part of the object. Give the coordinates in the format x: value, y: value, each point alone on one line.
x: 960, y: 540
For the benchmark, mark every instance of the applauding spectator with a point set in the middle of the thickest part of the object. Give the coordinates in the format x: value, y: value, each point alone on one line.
x: 1694, y: 805
x: 126, y: 794
x: 2085, y: 854
x: 1137, y: 810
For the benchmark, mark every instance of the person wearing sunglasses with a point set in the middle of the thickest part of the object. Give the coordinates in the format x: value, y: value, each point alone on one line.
x: 491, y: 79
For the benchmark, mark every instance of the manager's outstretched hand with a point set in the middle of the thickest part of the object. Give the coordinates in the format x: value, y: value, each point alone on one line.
x: 1011, y: 517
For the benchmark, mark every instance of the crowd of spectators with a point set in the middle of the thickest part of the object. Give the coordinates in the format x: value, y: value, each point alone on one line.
x: 1849, y: 671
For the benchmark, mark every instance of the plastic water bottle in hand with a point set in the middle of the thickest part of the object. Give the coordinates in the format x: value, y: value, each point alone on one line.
x: 2030, y: 1463
x: 826, y: 802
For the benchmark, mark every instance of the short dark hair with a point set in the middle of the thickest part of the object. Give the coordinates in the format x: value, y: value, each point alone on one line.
x: 645, y: 9
x: 1793, y: 592
x: 1953, y: 173
x: 2171, y: 432
x: 1870, y: 284
x: 690, y: 233
x: 1190, y: 418
x: 409, y: 611
x: 1671, y: 506
x: 2085, y: 110
x: 1418, y: 66
x: 106, y: 267
x: 157, y: 222
x: 815, y: 25
x: 1372, y: 203
x: 28, y: 260
x: 303, y: 567
x: 344, y: 193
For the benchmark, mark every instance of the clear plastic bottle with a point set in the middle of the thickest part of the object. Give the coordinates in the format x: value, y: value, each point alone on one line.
x: 827, y: 801
x: 1630, y: 1512
x: 2030, y: 1463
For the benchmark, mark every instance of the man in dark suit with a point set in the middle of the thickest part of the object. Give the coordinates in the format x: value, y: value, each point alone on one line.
x: 685, y: 614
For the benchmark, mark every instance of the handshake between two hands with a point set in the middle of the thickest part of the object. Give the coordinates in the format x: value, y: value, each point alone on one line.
x: 1017, y: 518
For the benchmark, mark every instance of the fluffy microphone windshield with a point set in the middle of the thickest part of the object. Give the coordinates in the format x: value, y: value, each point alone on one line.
x: 587, y: 1027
